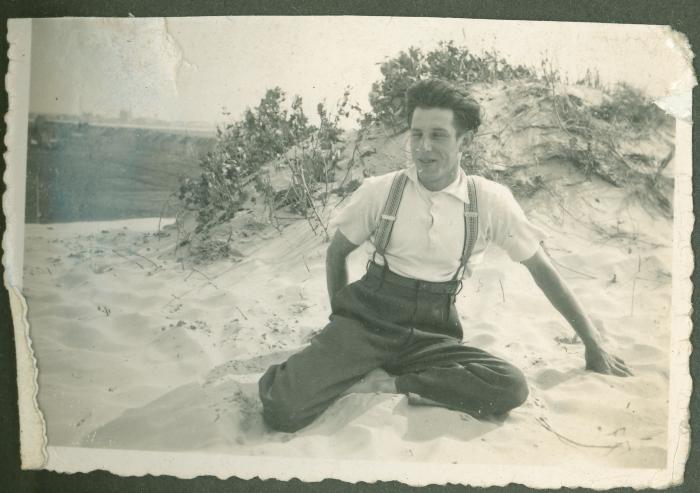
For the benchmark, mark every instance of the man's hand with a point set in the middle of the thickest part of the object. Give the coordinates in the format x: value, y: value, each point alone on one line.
x: 599, y: 361
x: 558, y: 293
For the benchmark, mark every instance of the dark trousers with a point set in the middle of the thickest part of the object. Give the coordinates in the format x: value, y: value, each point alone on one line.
x: 410, y: 329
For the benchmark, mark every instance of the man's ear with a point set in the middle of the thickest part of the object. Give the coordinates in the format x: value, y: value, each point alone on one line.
x: 466, y: 140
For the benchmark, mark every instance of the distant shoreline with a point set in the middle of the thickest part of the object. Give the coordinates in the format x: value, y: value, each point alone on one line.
x: 203, y: 132
x: 144, y: 224
x: 200, y: 131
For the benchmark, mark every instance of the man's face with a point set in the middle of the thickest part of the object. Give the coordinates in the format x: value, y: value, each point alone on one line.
x: 435, y: 146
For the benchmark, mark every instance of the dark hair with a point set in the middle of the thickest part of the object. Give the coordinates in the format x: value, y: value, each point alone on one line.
x: 437, y: 93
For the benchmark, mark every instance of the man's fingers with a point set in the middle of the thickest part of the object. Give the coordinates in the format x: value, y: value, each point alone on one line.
x: 619, y: 361
x: 618, y: 372
x: 621, y: 370
x: 619, y: 367
x: 623, y: 366
x: 610, y: 365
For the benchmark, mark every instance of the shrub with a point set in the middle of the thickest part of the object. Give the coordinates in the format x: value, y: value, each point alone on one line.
x: 628, y: 106
x: 312, y: 164
x: 263, y: 134
x: 447, y: 61
x: 268, y: 133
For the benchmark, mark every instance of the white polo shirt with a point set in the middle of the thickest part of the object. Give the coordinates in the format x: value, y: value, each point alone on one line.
x: 428, y: 235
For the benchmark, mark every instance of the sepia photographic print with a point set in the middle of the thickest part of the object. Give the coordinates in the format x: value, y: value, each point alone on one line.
x: 363, y: 248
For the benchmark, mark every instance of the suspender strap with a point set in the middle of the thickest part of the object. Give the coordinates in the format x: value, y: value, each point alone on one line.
x: 391, y: 207
x: 471, y: 227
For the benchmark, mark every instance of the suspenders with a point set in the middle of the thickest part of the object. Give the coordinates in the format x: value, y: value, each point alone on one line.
x: 391, y: 207
x: 471, y: 228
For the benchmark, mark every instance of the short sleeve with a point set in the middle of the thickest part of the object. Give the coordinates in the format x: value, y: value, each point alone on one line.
x: 511, y: 230
x: 358, y: 219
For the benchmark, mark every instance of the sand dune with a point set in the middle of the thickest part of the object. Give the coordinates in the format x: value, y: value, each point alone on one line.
x: 140, y: 350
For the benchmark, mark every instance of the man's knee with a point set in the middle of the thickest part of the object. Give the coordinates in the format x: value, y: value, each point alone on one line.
x: 280, y: 416
x: 514, y: 394
x: 280, y: 412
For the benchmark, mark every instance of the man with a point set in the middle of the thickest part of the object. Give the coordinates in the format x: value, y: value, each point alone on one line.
x: 428, y: 224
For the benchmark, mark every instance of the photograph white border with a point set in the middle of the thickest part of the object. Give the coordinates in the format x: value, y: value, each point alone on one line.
x: 35, y: 454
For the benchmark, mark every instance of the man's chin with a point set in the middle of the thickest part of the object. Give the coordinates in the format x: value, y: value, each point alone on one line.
x: 423, y: 175
x: 428, y: 179
x: 426, y: 172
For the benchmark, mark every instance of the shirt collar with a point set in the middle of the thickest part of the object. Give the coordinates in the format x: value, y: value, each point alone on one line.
x: 458, y: 188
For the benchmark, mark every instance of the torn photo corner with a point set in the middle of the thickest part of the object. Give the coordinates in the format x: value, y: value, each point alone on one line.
x: 172, y: 185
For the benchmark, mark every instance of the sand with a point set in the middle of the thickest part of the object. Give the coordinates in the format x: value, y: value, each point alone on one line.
x: 138, y: 349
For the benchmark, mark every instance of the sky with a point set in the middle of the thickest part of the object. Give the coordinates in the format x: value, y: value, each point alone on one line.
x: 211, y: 69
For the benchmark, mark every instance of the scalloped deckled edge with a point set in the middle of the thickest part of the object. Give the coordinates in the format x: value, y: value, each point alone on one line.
x: 192, y: 464
x: 32, y: 426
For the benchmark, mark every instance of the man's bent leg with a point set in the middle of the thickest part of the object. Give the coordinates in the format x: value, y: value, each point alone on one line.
x: 297, y: 391
x: 461, y: 377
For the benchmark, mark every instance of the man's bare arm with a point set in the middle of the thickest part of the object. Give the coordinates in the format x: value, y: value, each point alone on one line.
x: 561, y: 297
x: 336, y: 263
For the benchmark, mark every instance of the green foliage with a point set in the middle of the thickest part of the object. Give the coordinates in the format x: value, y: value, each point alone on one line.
x: 264, y: 133
x: 312, y: 165
x: 267, y: 134
x: 448, y: 62
x: 629, y: 107
x: 216, y: 194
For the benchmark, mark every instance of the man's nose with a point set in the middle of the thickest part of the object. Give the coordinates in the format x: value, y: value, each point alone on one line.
x: 425, y: 143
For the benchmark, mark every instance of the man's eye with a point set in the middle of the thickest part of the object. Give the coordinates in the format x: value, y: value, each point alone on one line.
x: 438, y: 136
